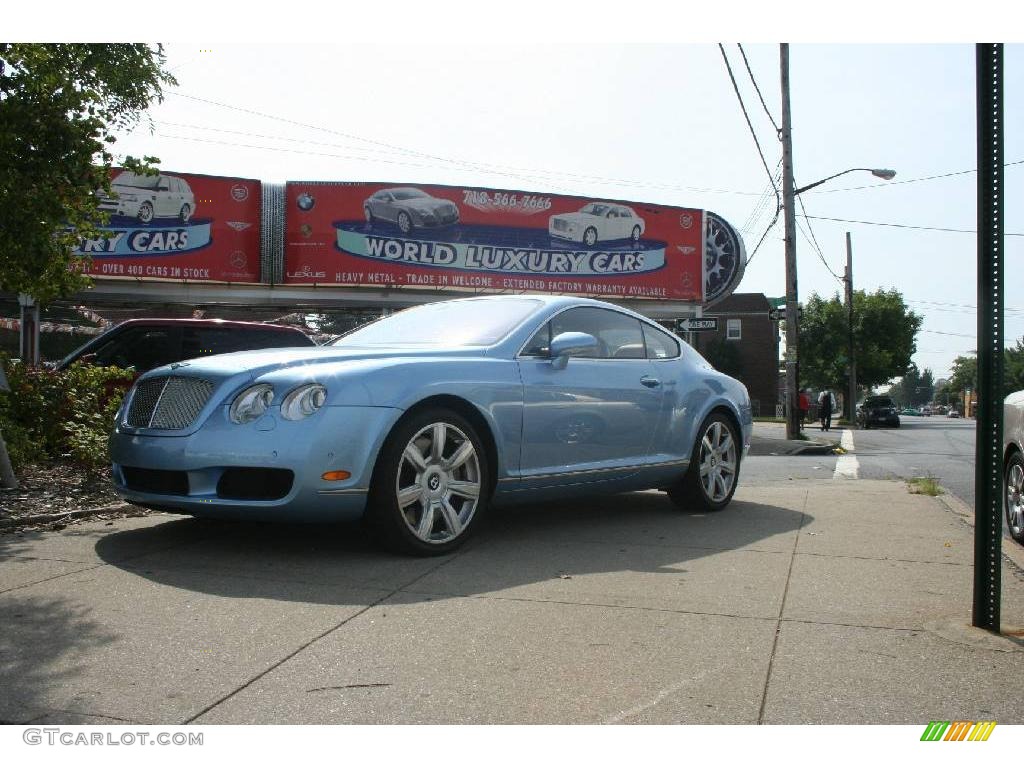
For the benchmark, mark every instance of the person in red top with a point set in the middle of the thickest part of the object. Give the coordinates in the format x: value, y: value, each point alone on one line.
x: 804, y: 404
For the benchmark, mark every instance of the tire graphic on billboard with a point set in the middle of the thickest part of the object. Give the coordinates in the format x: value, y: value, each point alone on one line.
x: 724, y: 258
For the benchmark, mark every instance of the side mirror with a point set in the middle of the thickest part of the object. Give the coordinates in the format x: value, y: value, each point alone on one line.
x: 568, y: 344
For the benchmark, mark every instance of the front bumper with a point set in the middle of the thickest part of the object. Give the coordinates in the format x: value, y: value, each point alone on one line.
x: 198, y: 473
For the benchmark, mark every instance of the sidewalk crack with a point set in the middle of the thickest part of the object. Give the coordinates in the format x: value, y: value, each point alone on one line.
x: 782, y: 611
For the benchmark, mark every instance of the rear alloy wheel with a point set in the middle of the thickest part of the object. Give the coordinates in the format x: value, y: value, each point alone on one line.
x: 430, y: 486
x: 710, y: 481
x: 404, y: 223
x: 1014, y: 501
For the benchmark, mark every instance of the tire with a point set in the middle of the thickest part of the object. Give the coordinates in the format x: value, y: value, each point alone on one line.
x: 706, y: 486
x: 368, y: 214
x: 420, y: 503
x: 404, y: 222
x: 1013, y: 497
x: 145, y: 213
x: 185, y: 213
x: 635, y: 236
x: 590, y: 237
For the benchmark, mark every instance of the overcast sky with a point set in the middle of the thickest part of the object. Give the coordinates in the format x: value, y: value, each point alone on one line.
x: 653, y: 121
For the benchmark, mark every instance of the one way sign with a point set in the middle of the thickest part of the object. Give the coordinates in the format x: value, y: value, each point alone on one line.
x: 697, y: 324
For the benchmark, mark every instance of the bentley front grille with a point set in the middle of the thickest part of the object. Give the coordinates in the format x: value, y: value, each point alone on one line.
x: 168, y: 402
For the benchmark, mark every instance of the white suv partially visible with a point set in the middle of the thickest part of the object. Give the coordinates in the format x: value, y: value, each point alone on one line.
x: 150, y: 197
x: 596, y: 222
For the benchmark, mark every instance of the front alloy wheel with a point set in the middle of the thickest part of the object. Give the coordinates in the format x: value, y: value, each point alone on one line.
x: 590, y: 237
x: 1015, y: 497
x: 431, y: 484
x: 145, y: 213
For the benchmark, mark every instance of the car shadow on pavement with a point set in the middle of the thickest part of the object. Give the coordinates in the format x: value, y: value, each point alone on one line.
x: 45, y: 642
x: 517, y: 547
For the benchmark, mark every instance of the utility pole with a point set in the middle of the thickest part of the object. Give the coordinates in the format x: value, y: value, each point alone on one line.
x: 852, y: 410
x: 788, y: 200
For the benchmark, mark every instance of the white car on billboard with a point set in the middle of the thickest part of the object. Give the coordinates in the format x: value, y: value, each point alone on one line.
x: 150, y: 197
x: 596, y: 222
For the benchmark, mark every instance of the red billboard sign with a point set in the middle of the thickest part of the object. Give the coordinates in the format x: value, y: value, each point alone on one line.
x: 180, y: 226
x: 468, y: 238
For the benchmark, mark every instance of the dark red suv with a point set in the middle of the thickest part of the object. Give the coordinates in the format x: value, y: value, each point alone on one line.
x: 145, y: 343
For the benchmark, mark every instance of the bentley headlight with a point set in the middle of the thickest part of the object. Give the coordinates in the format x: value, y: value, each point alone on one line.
x: 303, y: 401
x: 251, y: 403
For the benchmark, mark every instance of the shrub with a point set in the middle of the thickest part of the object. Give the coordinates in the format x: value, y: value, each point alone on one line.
x: 50, y: 415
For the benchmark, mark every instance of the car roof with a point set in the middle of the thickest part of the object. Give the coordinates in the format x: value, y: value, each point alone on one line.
x: 208, y: 323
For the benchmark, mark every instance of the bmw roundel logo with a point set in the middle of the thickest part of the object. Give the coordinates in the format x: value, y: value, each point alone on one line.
x: 305, y: 201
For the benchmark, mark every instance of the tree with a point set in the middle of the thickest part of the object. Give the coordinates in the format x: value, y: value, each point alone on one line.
x: 915, y: 388
x: 1013, y: 370
x: 965, y: 374
x: 884, y: 330
x: 60, y: 106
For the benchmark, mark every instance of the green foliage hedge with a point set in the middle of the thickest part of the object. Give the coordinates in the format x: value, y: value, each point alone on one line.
x: 66, y: 415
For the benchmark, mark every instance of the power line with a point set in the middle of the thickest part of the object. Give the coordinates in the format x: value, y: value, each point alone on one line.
x: 778, y: 198
x: 910, y: 181
x: 504, y: 170
x: 778, y: 131
x: 817, y: 247
x: 908, y: 226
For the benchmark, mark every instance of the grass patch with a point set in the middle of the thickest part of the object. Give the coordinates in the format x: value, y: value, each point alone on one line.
x: 771, y: 419
x: 924, y: 485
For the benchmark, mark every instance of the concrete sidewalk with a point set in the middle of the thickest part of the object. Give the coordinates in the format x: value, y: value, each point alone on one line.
x: 802, y: 602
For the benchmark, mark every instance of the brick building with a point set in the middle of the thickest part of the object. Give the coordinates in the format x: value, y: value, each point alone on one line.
x: 746, y: 345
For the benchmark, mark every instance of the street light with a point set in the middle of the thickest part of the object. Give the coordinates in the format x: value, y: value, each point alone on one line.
x: 883, y: 173
x: 789, y: 192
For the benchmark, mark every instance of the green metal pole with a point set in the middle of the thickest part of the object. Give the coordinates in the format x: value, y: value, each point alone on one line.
x: 988, y: 464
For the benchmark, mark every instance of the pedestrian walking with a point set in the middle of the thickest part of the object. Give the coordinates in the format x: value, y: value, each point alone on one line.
x: 825, y: 403
x: 803, y: 405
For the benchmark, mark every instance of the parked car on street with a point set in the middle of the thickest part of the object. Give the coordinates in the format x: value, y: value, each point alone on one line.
x: 410, y: 209
x: 597, y: 222
x: 416, y: 422
x: 150, y: 197
x: 910, y: 412
x: 1013, y: 464
x: 143, y: 344
x: 877, y: 409
x: 953, y: 413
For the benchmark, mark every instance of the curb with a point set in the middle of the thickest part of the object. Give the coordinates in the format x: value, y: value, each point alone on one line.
x: 1013, y: 555
x: 14, y: 522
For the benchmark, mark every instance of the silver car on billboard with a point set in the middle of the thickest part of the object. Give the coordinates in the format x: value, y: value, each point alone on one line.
x: 410, y: 208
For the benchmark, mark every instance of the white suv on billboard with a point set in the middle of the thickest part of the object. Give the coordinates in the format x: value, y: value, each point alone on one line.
x: 150, y: 197
x: 597, y: 221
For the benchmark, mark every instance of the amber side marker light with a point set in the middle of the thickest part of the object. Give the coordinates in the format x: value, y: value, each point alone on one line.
x: 338, y: 474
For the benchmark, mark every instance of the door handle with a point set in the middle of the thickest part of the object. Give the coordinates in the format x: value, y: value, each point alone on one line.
x: 650, y: 381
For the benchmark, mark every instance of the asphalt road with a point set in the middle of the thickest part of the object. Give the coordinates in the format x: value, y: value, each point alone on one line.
x: 934, y: 446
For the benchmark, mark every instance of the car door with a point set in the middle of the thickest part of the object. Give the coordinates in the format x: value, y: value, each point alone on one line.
x: 595, y: 418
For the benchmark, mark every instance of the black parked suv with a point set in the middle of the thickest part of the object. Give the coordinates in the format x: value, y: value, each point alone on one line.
x: 877, y: 409
x: 145, y: 344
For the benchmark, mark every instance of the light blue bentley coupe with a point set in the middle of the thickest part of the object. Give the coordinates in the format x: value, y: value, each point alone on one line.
x: 421, y: 420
